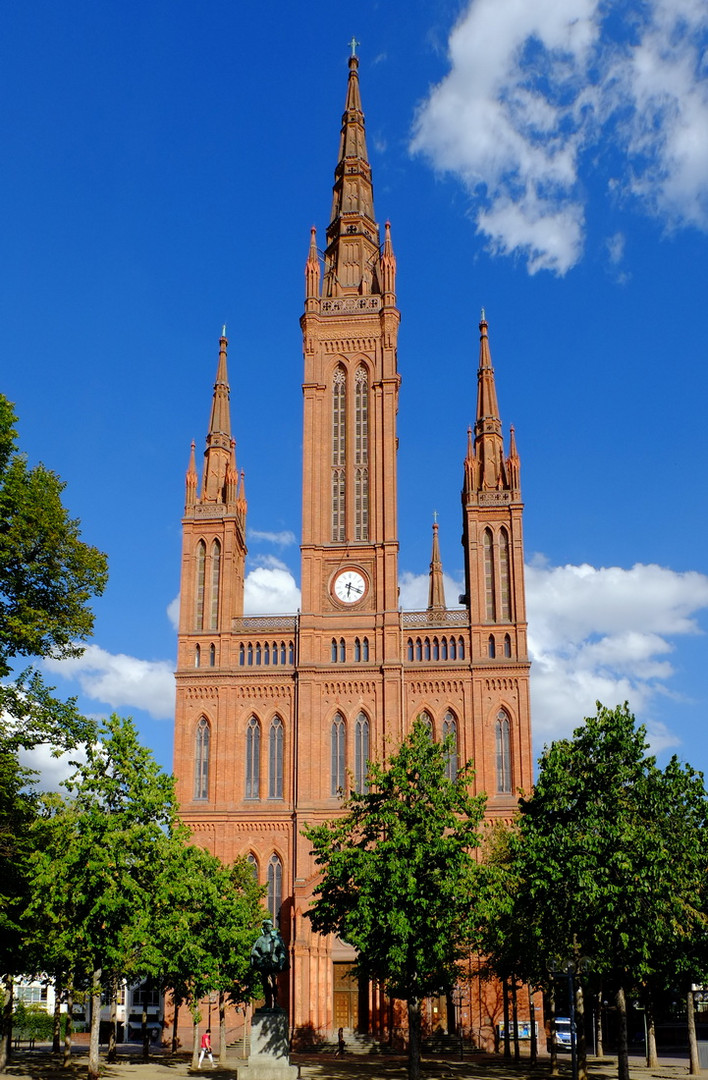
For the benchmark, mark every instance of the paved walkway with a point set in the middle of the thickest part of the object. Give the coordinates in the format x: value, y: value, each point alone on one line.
x: 39, y: 1065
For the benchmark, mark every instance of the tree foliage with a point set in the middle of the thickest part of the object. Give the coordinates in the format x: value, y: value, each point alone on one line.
x: 399, y: 874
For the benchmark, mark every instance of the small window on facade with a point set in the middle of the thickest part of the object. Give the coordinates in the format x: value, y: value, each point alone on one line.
x: 453, y: 649
x: 507, y: 645
x: 250, y: 654
x: 460, y: 648
x: 197, y: 656
x: 214, y: 585
x: 212, y: 655
x: 427, y: 721
x: 491, y: 647
x: 258, y: 654
x: 436, y: 649
x: 291, y: 653
x: 275, y: 652
x: 253, y: 759
x: 357, y: 650
x: 334, y: 650
x: 443, y: 649
x: 489, y: 584
x: 199, y: 594
x: 410, y: 648
x: 342, y: 651
x: 426, y: 649
x: 266, y: 654
x: 365, y: 650
x: 282, y: 652
x: 241, y: 655
x: 253, y: 863
x: 418, y: 649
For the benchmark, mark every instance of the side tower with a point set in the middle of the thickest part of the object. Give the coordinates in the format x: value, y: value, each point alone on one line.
x: 492, y: 539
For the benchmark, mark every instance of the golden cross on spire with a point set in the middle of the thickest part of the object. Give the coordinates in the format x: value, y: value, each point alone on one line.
x: 353, y: 44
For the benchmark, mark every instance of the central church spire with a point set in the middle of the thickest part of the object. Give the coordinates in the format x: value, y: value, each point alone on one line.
x: 352, y: 253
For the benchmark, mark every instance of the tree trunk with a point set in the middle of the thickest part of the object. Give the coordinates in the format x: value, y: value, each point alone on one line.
x: 652, y: 1056
x: 532, y: 1019
x: 599, y: 1033
x: 144, y: 1029
x: 56, y: 1018
x: 93, y: 1062
x: 505, y: 1000
x: 414, y: 1039
x: 515, y: 1020
x: 69, y: 1029
x: 112, y: 1037
x: 222, y: 1027
x: 623, y: 1045
x: 552, y: 1026
x: 6, y: 1021
x: 451, y: 1014
x: 582, y: 1047
x: 195, y: 1039
x: 175, y: 1019
x: 692, y: 1044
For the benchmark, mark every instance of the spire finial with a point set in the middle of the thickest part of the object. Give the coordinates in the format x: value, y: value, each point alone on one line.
x: 353, y: 45
x: 435, y: 517
x: 223, y: 331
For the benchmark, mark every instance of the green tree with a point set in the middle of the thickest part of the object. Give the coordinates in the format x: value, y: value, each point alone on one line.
x: 109, y: 841
x: 399, y: 874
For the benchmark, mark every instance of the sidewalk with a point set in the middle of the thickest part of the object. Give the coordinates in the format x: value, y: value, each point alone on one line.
x: 39, y: 1065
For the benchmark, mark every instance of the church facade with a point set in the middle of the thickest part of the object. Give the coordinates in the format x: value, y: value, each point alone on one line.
x: 276, y: 716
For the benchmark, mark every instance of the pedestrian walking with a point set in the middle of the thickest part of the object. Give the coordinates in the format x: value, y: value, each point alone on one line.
x: 206, y: 1049
x: 341, y: 1045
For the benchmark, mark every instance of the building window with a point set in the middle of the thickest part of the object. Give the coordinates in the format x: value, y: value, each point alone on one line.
x: 491, y: 647
x: 453, y: 649
x: 250, y: 654
x: 361, y: 454
x: 258, y: 654
x: 460, y: 648
x: 443, y: 649
x: 365, y: 650
x: 212, y: 655
x: 197, y: 656
x: 338, y: 756
x: 199, y: 594
x: 503, y: 753
x: 253, y: 863
x: 427, y: 721
x: 241, y: 655
x: 507, y: 645
x: 274, y: 897
x: 418, y: 649
x: 449, y: 730
x: 282, y: 652
x: 504, y: 575
x: 342, y: 651
x: 426, y: 649
x: 215, y: 576
x: 253, y: 759
x: 275, y: 759
x: 266, y: 653
x: 361, y: 753
x: 291, y: 653
x: 334, y: 651
x: 201, y: 760
x: 489, y: 598
x: 339, y: 425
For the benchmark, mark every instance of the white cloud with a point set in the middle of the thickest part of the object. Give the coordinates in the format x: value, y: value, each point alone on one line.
x: 532, y: 87
x: 271, y: 590
x: 52, y: 770
x: 283, y: 539
x: 121, y: 681
x: 605, y: 634
x: 414, y: 591
x: 173, y: 612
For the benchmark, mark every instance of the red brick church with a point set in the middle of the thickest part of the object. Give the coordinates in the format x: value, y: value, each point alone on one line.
x: 277, y: 715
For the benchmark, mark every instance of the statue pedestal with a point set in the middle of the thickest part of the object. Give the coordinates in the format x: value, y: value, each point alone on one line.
x: 270, y: 1043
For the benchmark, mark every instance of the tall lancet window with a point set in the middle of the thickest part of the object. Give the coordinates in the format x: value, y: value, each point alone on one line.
x: 503, y: 753
x: 361, y: 753
x: 201, y: 760
x: 361, y: 454
x: 339, y: 449
x: 504, y: 577
x: 199, y: 589
x: 214, y: 585
x: 489, y: 590
x: 274, y: 897
x: 338, y: 756
x: 253, y: 759
x: 449, y: 729
x: 275, y: 758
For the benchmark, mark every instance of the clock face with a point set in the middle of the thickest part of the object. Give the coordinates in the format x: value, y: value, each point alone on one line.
x: 349, y: 586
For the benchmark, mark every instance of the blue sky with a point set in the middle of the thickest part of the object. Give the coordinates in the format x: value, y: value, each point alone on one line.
x: 162, y: 165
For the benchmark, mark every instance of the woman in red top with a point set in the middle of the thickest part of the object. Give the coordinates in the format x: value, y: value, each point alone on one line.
x: 206, y: 1049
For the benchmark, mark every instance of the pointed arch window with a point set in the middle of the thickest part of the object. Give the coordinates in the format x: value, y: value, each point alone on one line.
x: 427, y: 721
x: 453, y: 649
x: 253, y: 759
x: 357, y: 650
x: 507, y: 645
x: 275, y: 759
x: 365, y: 650
x: 361, y: 753
x: 489, y: 587
x: 361, y: 454
x: 338, y: 737
x: 503, y: 747
x: 339, y: 423
x: 426, y: 649
x: 410, y: 648
x: 491, y: 647
x: 443, y: 649
x: 275, y: 653
x: 199, y: 593
x: 274, y: 897
x: 201, y: 760
x: 253, y: 863
x: 241, y: 655
x: 212, y: 655
x: 215, y: 578
x: 449, y: 730
x: 342, y: 651
x: 197, y: 656
x: 291, y: 653
x: 504, y: 576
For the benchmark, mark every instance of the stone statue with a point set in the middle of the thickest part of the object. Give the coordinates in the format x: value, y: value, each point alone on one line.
x: 269, y: 957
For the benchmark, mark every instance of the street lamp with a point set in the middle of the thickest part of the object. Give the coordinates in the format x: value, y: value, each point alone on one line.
x: 458, y: 997
x: 570, y: 968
